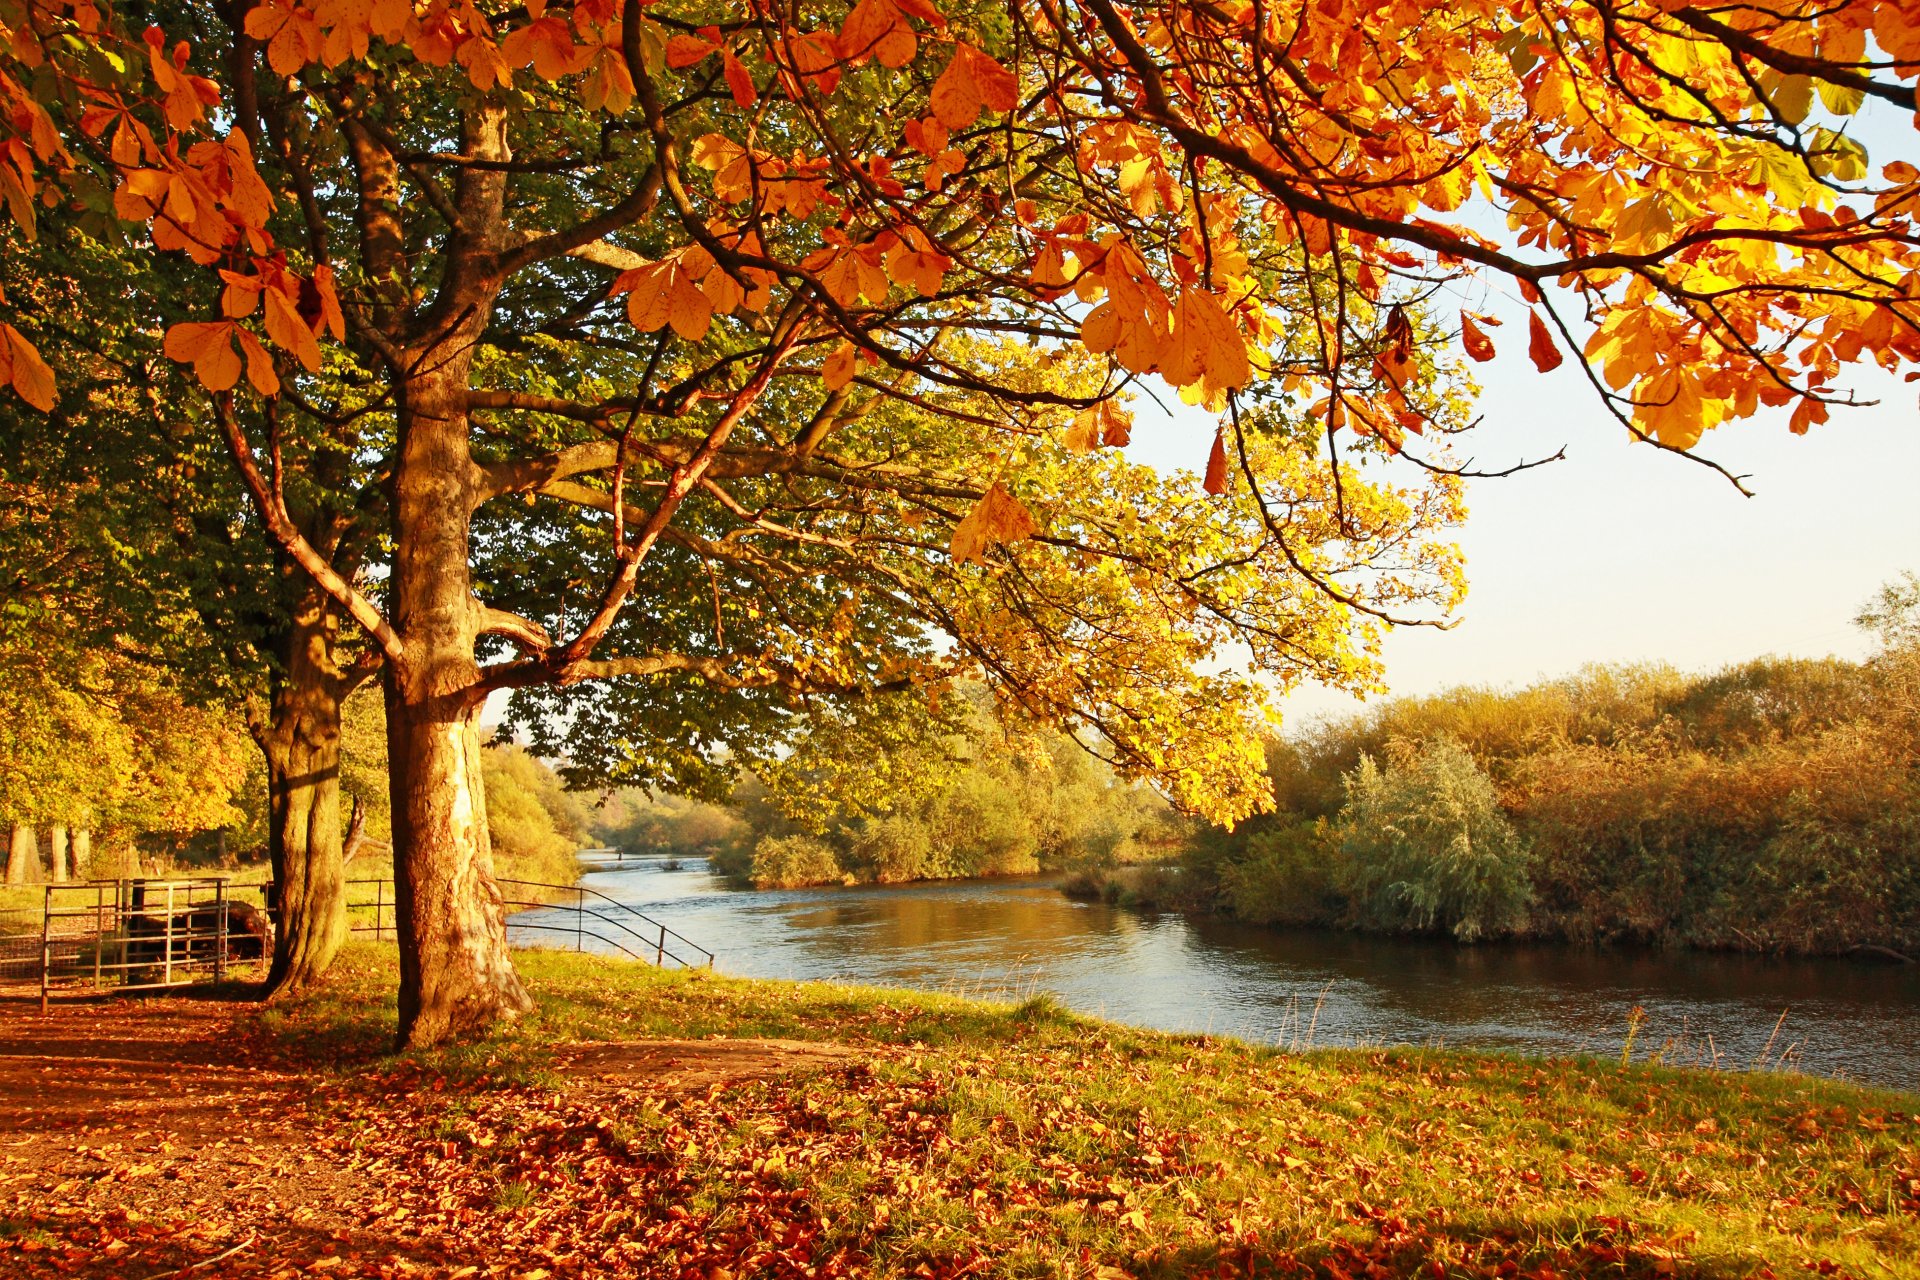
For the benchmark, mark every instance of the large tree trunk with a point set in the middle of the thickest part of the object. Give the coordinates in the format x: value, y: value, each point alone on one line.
x: 23, y: 855
x: 301, y: 742
x: 82, y: 853
x: 57, y: 864
x: 455, y: 973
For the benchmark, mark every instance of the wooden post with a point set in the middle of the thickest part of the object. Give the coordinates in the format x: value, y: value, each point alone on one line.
x: 379, y: 901
x: 660, y: 952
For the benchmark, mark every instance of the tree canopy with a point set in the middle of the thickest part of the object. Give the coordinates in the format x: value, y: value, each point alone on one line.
x: 684, y: 365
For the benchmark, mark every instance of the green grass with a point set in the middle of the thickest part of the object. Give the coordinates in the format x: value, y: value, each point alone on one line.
x: 1054, y: 1144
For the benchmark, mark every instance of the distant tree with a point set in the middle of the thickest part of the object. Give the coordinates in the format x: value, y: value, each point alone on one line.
x: 1893, y: 614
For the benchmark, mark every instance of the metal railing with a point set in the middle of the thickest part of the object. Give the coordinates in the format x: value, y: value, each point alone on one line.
x: 155, y: 933
x: 589, y: 916
x: 136, y: 934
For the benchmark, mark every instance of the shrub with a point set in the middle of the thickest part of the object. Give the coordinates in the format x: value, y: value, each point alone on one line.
x: 1290, y: 873
x: 1427, y: 846
x: 793, y: 862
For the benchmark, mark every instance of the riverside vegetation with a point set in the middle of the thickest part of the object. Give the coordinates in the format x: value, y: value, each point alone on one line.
x: 961, y: 1137
x: 1771, y: 806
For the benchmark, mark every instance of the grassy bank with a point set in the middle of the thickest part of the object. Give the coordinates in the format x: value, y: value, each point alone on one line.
x: 1022, y: 1140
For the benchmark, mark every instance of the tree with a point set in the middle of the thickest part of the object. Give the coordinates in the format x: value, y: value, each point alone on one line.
x: 846, y: 339
x: 132, y: 538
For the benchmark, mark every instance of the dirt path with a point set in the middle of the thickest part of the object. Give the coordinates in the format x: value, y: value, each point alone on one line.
x: 142, y: 1138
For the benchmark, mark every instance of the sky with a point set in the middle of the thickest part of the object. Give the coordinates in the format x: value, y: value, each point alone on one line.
x: 1623, y: 553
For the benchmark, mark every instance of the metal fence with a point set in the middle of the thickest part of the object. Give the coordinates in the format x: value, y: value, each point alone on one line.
x: 134, y: 934
x: 155, y: 933
x: 567, y: 911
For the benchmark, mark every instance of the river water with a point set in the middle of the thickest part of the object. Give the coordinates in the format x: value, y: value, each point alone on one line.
x: 1014, y: 938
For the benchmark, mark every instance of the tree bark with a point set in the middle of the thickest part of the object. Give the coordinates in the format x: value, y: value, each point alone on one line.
x: 23, y: 855
x: 57, y: 864
x: 82, y: 853
x: 301, y: 743
x: 455, y: 973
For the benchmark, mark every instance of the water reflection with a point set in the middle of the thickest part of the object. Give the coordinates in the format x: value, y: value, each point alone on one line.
x: 1016, y: 937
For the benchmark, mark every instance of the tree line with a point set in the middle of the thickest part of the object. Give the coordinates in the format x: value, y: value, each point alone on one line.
x: 106, y: 771
x: 1771, y: 806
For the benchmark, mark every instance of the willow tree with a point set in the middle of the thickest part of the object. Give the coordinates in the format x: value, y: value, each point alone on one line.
x: 888, y: 273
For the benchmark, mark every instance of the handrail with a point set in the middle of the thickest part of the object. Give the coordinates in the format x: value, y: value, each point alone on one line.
x: 618, y: 905
x: 655, y: 940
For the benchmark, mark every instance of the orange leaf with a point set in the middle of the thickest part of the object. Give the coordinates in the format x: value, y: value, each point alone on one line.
x: 1546, y: 356
x: 289, y: 331
x: 971, y: 81
x: 1477, y: 343
x: 330, y: 312
x: 259, y: 365
x: 25, y: 370
x: 684, y: 51
x: 744, y: 94
x: 208, y: 346
x: 1216, y: 481
x: 998, y: 517
x: 840, y: 367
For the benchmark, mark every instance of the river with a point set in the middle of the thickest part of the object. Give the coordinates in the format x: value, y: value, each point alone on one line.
x: 1014, y: 938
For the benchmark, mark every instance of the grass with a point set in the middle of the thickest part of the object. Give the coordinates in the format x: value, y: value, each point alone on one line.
x: 1025, y: 1140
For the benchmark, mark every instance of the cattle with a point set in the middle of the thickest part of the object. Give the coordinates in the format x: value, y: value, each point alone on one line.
x: 195, y: 932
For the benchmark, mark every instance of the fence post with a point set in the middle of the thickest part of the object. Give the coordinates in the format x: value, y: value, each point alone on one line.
x: 46, y: 946
x: 100, y: 929
x: 379, y: 901
x: 220, y: 931
x: 660, y: 951
x: 166, y: 968
x: 579, y: 920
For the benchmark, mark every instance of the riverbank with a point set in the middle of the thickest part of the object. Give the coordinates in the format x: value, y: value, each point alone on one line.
x: 881, y: 1132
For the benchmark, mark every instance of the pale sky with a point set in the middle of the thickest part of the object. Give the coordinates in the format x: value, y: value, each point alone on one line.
x: 1622, y: 553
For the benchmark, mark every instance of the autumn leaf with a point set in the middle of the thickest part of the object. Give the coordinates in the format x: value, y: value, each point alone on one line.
x: 1540, y: 345
x: 915, y: 263
x: 1216, y: 480
x: 840, y: 367
x: 260, y: 371
x: 22, y: 368
x: 1206, y: 345
x: 998, y: 517
x: 684, y: 50
x: 208, y: 346
x: 288, y: 330
x: 1474, y: 339
x: 971, y: 81
x: 739, y: 83
x: 1394, y: 362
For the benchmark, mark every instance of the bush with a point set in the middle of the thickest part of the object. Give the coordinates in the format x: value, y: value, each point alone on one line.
x: 1289, y: 874
x: 793, y: 862
x: 1427, y: 846
x: 894, y: 850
